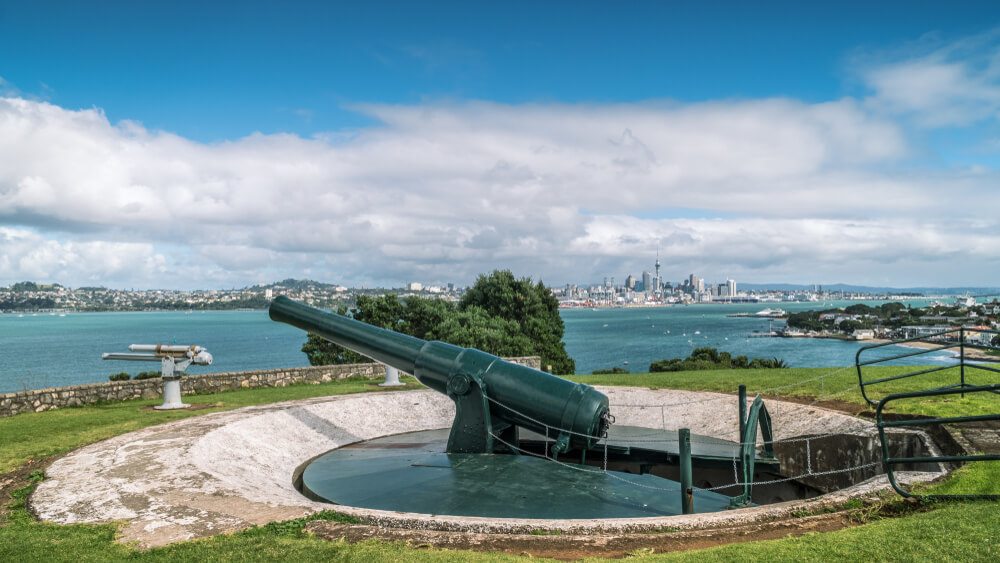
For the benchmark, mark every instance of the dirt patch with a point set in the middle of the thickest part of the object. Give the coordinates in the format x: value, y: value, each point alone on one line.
x: 571, y: 547
x: 852, y: 409
x: 18, y: 479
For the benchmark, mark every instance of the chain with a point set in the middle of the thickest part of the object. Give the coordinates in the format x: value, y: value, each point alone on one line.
x: 809, y: 467
x: 784, y: 479
x: 738, y: 483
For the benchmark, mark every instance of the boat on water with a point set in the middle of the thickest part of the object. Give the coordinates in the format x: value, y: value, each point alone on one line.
x: 771, y: 313
x: 763, y: 314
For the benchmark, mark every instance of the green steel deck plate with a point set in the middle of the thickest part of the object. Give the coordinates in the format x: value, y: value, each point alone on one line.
x: 411, y: 473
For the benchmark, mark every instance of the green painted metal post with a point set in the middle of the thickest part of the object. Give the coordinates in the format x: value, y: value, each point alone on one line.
x: 743, y: 411
x: 961, y: 357
x: 687, y: 492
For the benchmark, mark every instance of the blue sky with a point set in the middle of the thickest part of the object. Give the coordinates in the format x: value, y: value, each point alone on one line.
x: 561, y: 139
x: 219, y: 70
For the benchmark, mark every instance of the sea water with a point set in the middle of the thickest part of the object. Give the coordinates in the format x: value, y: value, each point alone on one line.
x: 43, y: 350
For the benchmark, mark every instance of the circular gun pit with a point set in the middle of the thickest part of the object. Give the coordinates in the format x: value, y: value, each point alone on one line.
x: 412, y: 473
x: 228, y: 471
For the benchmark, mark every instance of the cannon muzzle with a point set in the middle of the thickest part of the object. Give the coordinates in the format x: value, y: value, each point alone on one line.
x: 492, y: 396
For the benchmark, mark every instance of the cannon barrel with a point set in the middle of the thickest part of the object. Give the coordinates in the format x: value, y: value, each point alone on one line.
x: 492, y: 396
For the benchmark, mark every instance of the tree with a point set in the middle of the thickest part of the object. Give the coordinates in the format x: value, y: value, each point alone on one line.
x: 383, y: 311
x: 532, y: 306
x: 500, y: 315
x: 473, y: 327
x: 890, y: 309
x: 848, y: 326
x: 859, y: 309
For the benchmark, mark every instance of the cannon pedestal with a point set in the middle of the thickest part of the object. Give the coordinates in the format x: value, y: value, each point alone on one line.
x: 172, y: 394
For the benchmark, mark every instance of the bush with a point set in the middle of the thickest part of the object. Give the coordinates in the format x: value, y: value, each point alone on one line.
x: 608, y: 371
x: 147, y: 375
x: 710, y: 358
x: 121, y: 376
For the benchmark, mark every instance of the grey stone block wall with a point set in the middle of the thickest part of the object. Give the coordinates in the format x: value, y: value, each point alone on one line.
x: 39, y: 400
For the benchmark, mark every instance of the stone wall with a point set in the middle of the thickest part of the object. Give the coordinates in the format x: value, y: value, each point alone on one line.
x: 39, y: 400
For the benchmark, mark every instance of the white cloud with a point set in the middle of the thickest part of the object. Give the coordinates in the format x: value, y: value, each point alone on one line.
x: 441, y: 192
x: 35, y: 257
x: 940, y: 83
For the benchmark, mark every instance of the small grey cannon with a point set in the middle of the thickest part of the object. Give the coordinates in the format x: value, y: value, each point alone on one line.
x: 174, y: 360
x: 492, y: 397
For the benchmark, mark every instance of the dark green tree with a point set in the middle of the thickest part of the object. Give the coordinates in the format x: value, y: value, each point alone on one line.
x: 858, y: 309
x: 473, y: 327
x: 848, y: 326
x: 518, y: 322
x: 383, y: 310
x: 532, y: 306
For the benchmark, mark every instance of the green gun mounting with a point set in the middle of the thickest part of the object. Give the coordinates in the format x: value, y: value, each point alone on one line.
x: 492, y: 397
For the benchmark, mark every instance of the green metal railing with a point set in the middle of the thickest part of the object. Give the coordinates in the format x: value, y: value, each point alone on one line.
x: 757, y: 417
x: 889, y: 462
x: 944, y: 340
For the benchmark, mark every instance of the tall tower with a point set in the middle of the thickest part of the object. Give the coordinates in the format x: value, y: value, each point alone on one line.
x: 659, y: 281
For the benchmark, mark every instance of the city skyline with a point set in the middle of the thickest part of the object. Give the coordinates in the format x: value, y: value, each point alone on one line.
x: 229, y: 145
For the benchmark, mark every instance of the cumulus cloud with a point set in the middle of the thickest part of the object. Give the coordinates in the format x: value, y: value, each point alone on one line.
x: 441, y: 192
x: 939, y: 83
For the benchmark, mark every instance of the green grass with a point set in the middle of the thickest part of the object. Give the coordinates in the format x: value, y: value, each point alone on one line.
x: 947, y: 531
x: 839, y: 384
x: 951, y: 532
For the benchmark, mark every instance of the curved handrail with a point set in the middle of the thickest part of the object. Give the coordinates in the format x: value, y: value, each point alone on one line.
x: 756, y: 417
x: 889, y: 462
x: 962, y: 343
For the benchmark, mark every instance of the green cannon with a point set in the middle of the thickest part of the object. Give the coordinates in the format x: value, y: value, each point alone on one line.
x: 492, y: 397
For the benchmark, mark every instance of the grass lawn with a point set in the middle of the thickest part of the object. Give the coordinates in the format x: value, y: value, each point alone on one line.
x: 945, y: 531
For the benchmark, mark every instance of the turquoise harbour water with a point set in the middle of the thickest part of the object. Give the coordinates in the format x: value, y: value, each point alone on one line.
x: 43, y: 350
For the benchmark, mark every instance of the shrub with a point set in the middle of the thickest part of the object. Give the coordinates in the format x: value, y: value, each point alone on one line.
x: 607, y: 371
x: 120, y: 376
x: 710, y: 358
x: 147, y: 375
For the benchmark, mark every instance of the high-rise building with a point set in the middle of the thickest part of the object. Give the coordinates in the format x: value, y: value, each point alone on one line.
x: 699, y: 284
x: 629, y: 282
x: 731, y: 287
x: 647, y: 281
